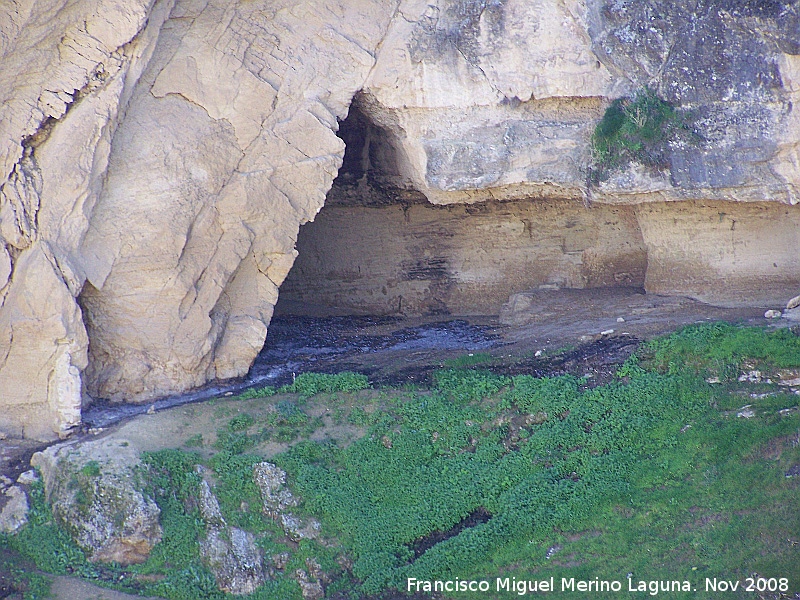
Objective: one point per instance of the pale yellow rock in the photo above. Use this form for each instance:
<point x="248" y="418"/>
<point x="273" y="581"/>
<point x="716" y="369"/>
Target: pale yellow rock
<point x="42" y="348"/>
<point x="157" y="159"/>
<point x="227" y="147"/>
<point x="728" y="254"/>
<point x="74" y="64"/>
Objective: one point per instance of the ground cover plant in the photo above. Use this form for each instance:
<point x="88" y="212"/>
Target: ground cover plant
<point x="639" y="128"/>
<point x="658" y="475"/>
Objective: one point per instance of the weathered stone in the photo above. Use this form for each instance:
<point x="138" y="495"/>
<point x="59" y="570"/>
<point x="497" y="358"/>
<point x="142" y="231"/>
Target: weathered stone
<point x="230" y="553"/>
<point x="14" y="511"/>
<point x="793" y="303"/>
<point x="234" y="558"/>
<point x="277" y="498"/>
<point x="729" y="254"/>
<point x="271" y="481"/>
<point x="29" y="477"/>
<point x="311" y="589"/>
<point x="244" y="102"/>
<point x="67" y="71"/>
<point x="93" y="490"/>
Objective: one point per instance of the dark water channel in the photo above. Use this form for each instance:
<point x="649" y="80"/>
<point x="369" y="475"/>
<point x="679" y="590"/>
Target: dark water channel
<point x="297" y="345"/>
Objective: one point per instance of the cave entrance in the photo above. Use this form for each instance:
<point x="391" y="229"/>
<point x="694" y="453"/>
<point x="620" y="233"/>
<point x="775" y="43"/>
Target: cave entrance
<point x="379" y="248"/>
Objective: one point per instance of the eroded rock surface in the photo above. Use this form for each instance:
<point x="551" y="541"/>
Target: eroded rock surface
<point x="158" y="157"/>
<point x="66" y="70"/>
<point x="229" y="552"/>
<point x="13" y="508"/>
<point x="277" y="499"/>
<point x="94" y="491"/>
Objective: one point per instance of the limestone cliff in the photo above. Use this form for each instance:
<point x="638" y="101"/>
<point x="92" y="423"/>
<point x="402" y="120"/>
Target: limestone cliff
<point x="158" y="157"/>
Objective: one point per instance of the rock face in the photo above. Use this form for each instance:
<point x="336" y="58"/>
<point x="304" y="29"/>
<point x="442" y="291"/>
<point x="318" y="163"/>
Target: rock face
<point x="158" y="157"/>
<point x="459" y="259"/>
<point x="227" y="147"/>
<point x="230" y="553"/>
<point x="92" y="489"/>
<point x="66" y="69"/>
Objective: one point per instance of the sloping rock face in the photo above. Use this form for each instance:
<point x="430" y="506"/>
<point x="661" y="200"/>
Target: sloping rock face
<point x="158" y="156"/>
<point x="66" y="69"/>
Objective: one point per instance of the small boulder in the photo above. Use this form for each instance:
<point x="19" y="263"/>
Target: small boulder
<point x="14" y="513"/>
<point x="231" y="554"/>
<point x="793" y="303"/>
<point x="29" y="477"/>
<point x="309" y="588"/>
<point x="92" y="489"/>
<point x="276" y="498"/>
<point x="234" y="558"/>
<point x="772" y="314"/>
<point x="271" y="481"/>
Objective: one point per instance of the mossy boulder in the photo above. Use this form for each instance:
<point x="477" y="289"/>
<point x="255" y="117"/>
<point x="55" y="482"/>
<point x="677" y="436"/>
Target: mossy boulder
<point x="95" y="492"/>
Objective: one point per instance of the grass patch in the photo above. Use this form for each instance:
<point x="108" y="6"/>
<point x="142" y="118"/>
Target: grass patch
<point x="310" y="384"/>
<point x="722" y="349"/>
<point x="638" y="129"/>
<point x="468" y="360"/>
<point x="487" y="476"/>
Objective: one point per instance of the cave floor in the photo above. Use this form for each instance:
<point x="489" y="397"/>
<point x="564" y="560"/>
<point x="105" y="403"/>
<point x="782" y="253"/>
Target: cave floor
<point x="573" y="331"/>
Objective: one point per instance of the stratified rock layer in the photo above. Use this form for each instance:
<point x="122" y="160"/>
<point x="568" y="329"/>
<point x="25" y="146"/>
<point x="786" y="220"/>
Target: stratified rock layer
<point x="424" y="259"/>
<point x="158" y="156"/>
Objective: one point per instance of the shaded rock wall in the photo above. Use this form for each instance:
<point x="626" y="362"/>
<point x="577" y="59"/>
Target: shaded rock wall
<point x="158" y="156"/>
<point x="421" y="259"/>
<point x="460" y="259"/>
<point x="724" y="253"/>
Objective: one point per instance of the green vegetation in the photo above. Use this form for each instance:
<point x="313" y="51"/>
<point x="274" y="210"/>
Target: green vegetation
<point x="46" y="544"/>
<point x="18" y="576"/>
<point x="469" y="360"/>
<point x="487" y="476"/>
<point x="196" y="441"/>
<point x="310" y="384"/>
<point x="637" y="129"/>
<point x="91" y="469"/>
<point x="723" y="350"/>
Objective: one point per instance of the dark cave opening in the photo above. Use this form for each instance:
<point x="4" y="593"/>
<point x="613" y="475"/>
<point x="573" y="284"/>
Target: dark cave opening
<point x="380" y="248"/>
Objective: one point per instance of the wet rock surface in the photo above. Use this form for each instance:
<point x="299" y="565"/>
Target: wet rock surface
<point x="331" y="344"/>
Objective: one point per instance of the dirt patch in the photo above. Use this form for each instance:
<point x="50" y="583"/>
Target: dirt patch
<point x="15" y="456"/>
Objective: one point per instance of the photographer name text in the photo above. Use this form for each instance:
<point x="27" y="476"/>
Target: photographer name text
<point x="653" y="587"/>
